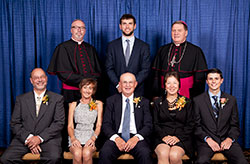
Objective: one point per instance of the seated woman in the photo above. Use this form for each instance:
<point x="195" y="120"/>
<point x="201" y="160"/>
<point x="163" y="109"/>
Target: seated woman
<point x="173" y="123"/>
<point x="83" y="115"/>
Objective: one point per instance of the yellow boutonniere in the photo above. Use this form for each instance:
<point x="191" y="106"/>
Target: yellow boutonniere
<point x="92" y="105"/>
<point x="45" y="99"/>
<point x="136" y="100"/>
<point x="223" y="101"/>
<point x="181" y="102"/>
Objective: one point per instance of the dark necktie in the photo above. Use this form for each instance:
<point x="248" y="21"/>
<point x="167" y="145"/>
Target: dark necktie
<point x="215" y="106"/>
<point x="127" y="52"/>
<point x="126" y="122"/>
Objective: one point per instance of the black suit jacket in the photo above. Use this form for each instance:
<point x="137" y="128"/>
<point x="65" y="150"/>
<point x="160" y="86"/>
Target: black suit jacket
<point x="113" y="113"/>
<point x="139" y="63"/>
<point x="47" y="125"/>
<point x="206" y="124"/>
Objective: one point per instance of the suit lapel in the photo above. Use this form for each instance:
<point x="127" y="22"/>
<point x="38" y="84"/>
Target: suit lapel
<point x="132" y="56"/>
<point x="43" y="107"/>
<point x="118" y="115"/>
<point x="122" y="55"/>
<point x="209" y="106"/>
<point x="221" y="110"/>
<point x="30" y="101"/>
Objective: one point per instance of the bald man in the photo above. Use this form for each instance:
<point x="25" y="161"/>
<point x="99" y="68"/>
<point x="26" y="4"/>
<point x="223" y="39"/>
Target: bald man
<point x="37" y="121"/>
<point x="74" y="60"/>
<point x="127" y="124"/>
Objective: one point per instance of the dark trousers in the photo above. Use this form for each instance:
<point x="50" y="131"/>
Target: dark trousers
<point x="234" y="154"/>
<point x="141" y="152"/>
<point x="51" y="153"/>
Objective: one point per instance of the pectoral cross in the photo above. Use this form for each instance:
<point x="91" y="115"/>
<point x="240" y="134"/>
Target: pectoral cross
<point x="172" y="61"/>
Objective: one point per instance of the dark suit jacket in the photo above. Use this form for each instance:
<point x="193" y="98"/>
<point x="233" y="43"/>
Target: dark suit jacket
<point x="47" y="125"/>
<point x="206" y="124"/>
<point x="139" y="63"/>
<point x="113" y="113"/>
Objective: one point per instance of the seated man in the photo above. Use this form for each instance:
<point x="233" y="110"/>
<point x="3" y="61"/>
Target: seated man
<point x="217" y="122"/>
<point x="127" y="124"/>
<point x="36" y="123"/>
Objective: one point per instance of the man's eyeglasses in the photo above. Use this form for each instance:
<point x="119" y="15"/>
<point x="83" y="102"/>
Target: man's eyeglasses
<point x="79" y="27"/>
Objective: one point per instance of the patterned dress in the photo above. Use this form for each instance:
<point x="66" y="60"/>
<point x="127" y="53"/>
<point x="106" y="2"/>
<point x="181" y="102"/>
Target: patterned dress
<point x="84" y="123"/>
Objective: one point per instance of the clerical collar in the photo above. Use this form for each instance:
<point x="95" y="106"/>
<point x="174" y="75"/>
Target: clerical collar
<point x="77" y="41"/>
<point x="180" y="44"/>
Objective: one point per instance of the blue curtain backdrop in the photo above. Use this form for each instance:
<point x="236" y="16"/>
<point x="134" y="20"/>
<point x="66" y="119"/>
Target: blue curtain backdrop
<point x="31" y="29"/>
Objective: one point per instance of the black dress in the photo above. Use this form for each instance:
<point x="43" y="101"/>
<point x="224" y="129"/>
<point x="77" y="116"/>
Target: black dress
<point x="177" y="123"/>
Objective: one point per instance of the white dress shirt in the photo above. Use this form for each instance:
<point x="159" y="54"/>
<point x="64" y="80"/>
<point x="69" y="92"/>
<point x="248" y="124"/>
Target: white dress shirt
<point x="131" y="43"/>
<point x="132" y="118"/>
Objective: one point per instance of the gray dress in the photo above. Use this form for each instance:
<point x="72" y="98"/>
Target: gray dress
<point x="84" y="123"/>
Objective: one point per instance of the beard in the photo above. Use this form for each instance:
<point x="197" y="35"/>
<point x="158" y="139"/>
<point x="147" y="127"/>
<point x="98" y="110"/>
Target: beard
<point x="129" y="34"/>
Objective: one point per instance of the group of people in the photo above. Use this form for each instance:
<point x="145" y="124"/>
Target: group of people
<point x="183" y="118"/>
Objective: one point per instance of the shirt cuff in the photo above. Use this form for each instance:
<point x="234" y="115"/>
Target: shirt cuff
<point x="41" y="139"/>
<point x="113" y="137"/>
<point x="233" y="140"/>
<point x="30" y="135"/>
<point x="205" y="139"/>
<point x="140" y="137"/>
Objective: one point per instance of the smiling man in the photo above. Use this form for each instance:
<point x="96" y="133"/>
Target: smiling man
<point x="183" y="57"/>
<point x="127" y="54"/>
<point x="37" y="121"/>
<point x="72" y="61"/>
<point x="217" y="123"/>
<point x="127" y="124"/>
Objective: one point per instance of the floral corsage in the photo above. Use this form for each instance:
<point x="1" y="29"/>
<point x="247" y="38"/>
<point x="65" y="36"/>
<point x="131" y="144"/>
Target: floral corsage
<point x="223" y="101"/>
<point x="181" y="102"/>
<point x="92" y="105"/>
<point x="136" y="100"/>
<point x="45" y="99"/>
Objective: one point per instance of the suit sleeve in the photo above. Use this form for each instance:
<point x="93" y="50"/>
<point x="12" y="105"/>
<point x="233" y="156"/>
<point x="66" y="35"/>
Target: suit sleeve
<point x="157" y="128"/>
<point x="189" y="123"/>
<point x="147" y="125"/>
<point x="156" y="73"/>
<point x="145" y="64"/>
<point x="234" y="130"/>
<point x="16" y="122"/>
<point x="199" y="132"/>
<point x="108" y="124"/>
<point x="110" y="65"/>
<point x="58" y="122"/>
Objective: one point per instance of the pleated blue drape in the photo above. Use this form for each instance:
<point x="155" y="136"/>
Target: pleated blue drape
<point x="31" y="29"/>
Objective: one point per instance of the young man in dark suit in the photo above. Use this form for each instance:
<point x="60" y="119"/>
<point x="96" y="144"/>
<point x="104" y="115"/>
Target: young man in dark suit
<point x="37" y="121"/>
<point x="127" y="124"/>
<point x="127" y="54"/>
<point x="217" y="122"/>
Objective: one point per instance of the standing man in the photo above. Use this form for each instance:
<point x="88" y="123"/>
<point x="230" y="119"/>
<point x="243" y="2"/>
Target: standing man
<point x="127" y="124"/>
<point x="36" y="123"/>
<point x="183" y="57"/>
<point x="127" y="54"/>
<point x="217" y="122"/>
<point x="73" y="61"/>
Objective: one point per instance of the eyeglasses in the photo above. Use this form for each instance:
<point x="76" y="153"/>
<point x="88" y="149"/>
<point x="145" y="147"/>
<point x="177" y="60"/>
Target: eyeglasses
<point x="79" y="27"/>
